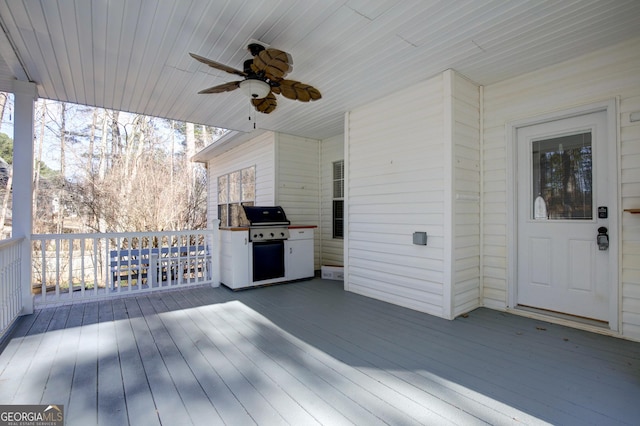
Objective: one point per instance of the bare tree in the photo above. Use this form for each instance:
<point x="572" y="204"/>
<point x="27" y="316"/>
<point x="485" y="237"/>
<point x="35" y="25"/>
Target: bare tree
<point x="116" y="139"/>
<point x="7" y="190"/>
<point x="61" y="194"/>
<point x="5" y="201"/>
<point x="118" y="171"/>
<point x="4" y="97"/>
<point x="38" y="156"/>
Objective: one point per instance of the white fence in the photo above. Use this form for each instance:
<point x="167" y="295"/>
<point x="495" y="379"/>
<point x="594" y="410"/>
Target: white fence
<point x="71" y="267"/>
<point x="10" y="288"/>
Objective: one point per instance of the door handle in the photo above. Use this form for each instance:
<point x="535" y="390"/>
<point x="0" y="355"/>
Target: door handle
<point x="603" y="238"/>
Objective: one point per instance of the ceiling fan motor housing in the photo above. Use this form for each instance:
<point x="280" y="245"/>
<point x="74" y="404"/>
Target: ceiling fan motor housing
<point x="255" y="48"/>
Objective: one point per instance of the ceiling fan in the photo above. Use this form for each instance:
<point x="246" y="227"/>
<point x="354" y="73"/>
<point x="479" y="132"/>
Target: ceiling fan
<point x="263" y="77"/>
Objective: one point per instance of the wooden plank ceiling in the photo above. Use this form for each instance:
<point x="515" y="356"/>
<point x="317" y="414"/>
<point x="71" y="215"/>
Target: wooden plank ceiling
<point x="134" y="55"/>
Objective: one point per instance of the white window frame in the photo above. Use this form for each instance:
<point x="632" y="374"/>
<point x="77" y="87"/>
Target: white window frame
<point x="337" y="232"/>
<point x="230" y="220"/>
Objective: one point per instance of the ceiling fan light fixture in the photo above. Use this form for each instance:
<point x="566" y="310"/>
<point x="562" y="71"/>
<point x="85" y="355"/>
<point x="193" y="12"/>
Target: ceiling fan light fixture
<point x="255" y="89"/>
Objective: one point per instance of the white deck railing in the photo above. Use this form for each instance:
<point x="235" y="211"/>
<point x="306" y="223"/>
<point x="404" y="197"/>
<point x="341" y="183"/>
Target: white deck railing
<point x="10" y="282"/>
<point x="74" y="267"/>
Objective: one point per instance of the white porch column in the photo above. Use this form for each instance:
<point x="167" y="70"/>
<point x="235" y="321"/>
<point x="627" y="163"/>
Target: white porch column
<point x="25" y="94"/>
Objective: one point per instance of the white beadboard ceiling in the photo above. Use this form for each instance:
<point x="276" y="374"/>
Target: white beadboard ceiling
<point x="133" y="55"/>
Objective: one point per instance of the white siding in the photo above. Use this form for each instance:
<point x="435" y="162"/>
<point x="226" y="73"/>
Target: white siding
<point x="298" y="182"/>
<point x="608" y="73"/>
<point x="332" y="251"/>
<point x="466" y="195"/>
<point x="259" y="152"/>
<point x="396" y="186"/>
<point x="630" y="181"/>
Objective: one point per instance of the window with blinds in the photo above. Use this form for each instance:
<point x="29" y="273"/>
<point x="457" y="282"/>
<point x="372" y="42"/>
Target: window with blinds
<point x="338" y="199"/>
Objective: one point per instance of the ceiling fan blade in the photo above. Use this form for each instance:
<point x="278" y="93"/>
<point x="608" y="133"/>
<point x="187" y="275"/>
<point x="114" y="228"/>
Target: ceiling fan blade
<point x="217" y="65"/>
<point x="266" y="104"/>
<point x="226" y="87"/>
<point x="297" y="91"/>
<point x="273" y="62"/>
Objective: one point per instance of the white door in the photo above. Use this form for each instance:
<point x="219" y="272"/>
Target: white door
<point x="563" y="200"/>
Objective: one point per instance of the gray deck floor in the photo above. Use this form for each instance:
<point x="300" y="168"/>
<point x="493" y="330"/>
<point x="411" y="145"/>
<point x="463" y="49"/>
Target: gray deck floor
<point x="310" y="353"/>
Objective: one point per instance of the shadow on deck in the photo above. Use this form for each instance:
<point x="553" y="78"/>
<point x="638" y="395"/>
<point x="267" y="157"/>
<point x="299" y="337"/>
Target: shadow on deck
<point x="308" y="353"/>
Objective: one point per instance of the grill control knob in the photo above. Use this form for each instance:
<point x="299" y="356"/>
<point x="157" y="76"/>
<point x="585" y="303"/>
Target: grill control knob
<point x="261" y="235"/>
<point x="272" y="235"/>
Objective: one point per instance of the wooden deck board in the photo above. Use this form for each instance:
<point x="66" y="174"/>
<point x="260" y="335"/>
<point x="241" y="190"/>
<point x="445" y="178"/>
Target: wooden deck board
<point x="309" y="353"/>
<point x="245" y="362"/>
<point x="23" y="373"/>
<point x="111" y="397"/>
<point x="139" y="399"/>
<point x="187" y="337"/>
<point x="313" y="386"/>
<point x="304" y="370"/>
<point x="452" y="356"/>
<point x="168" y="404"/>
<point x="195" y="400"/>
<point x="248" y="403"/>
<point x="82" y="401"/>
<point x="63" y="356"/>
<point x="388" y="400"/>
<point x="408" y="385"/>
<point x="275" y="365"/>
<point x="389" y="363"/>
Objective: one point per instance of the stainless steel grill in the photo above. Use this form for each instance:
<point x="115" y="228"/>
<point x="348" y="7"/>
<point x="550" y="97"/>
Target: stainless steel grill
<point x="267" y="223"/>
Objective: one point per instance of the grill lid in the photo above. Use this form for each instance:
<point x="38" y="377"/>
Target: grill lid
<point x="265" y="215"/>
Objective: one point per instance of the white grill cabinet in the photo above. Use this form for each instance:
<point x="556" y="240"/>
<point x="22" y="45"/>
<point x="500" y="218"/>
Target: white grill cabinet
<point x="298" y="251"/>
<point x="268" y="251"/>
<point x="234" y="257"/>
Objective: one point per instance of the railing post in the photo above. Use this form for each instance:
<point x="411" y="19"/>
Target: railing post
<point x="154" y="266"/>
<point x="25" y="94"/>
<point x="215" y="254"/>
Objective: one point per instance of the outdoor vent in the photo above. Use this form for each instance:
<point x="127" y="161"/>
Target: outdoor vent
<point x="420" y="238"/>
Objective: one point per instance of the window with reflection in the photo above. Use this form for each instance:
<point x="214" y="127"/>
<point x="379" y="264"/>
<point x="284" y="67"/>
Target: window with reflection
<point x="562" y="178"/>
<point x="236" y="189"/>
